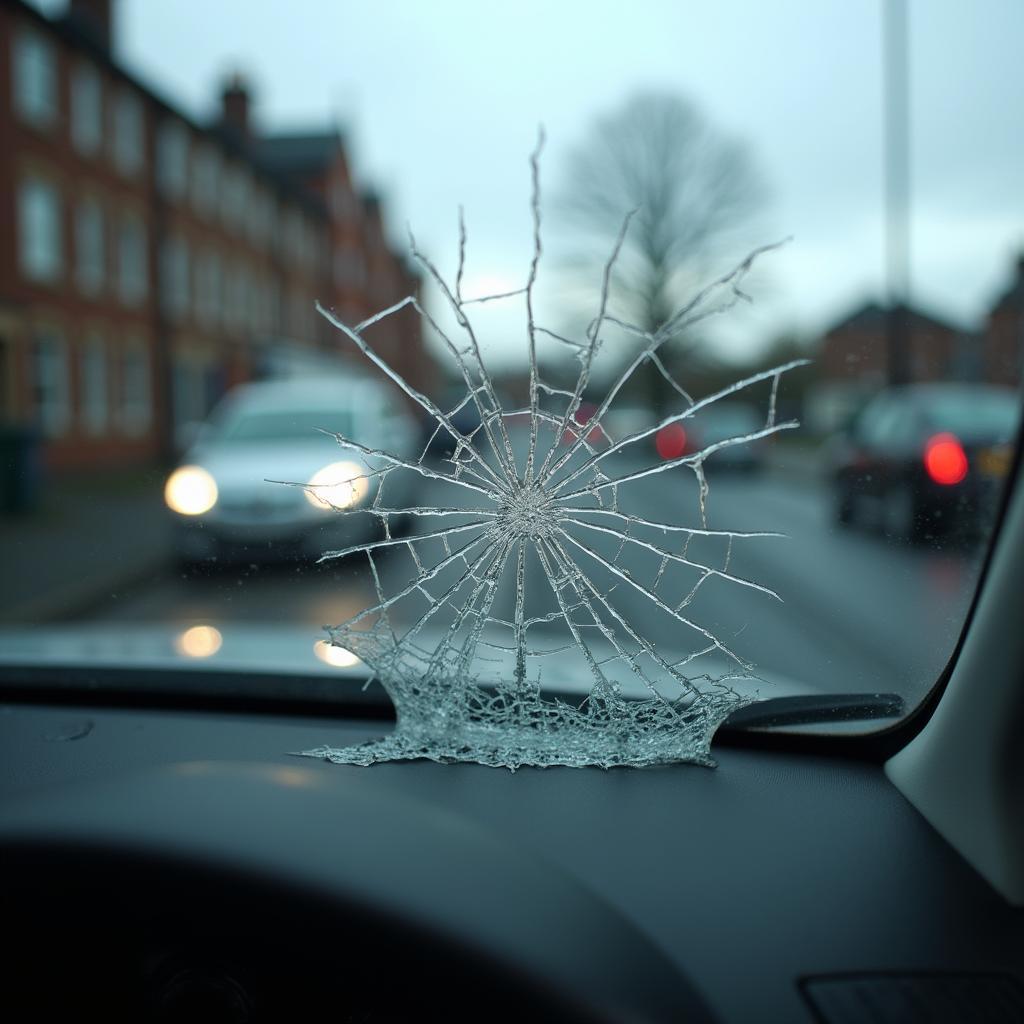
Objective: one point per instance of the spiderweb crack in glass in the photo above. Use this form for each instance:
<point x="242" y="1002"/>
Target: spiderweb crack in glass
<point x="535" y="556"/>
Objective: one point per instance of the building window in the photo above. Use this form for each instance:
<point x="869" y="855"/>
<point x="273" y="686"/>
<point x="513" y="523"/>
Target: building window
<point x="205" y="179"/>
<point x="132" y="264"/>
<point x="90" y="256"/>
<point x="86" y="109"/>
<point x="34" y="67"/>
<point x="270" y="219"/>
<point x="172" y="159"/>
<point x="256" y="216"/>
<point x="174" y="277"/>
<point x="188" y="396"/>
<point x="254" y="303"/>
<point x="207" y="291"/>
<point x="136" y="407"/>
<point x="39" y="230"/>
<point x="261" y="305"/>
<point x="51" y="404"/>
<point x="129" y="140"/>
<point x="234" y="198"/>
<point x="234" y="297"/>
<point x="95" y="394"/>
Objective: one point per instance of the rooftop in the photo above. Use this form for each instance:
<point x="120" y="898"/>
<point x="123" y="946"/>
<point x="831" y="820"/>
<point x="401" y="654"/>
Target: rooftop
<point x="298" y="153"/>
<point x="872" y="316"/>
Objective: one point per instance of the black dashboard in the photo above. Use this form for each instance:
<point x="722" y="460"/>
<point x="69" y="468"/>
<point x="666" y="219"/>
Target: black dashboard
<point x="185" y="866"/>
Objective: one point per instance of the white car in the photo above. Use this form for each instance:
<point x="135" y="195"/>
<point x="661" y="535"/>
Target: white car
<point x="231" y="497"/>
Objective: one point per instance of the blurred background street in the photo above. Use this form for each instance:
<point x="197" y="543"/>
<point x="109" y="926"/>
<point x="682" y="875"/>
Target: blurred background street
<point x="832" y="631"/>
<point x="179" y="208"/>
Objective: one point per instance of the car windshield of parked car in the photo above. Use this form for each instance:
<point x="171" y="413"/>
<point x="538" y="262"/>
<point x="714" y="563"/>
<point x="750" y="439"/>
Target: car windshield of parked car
<point x="284" y="425"/>
<point x="650" y="348"/>
<point x="973" y="415"/>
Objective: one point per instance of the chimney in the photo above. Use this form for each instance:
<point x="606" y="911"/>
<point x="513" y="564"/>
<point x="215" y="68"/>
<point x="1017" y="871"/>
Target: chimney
<point x="93" y="18"/>
<point x="234" y="99"/>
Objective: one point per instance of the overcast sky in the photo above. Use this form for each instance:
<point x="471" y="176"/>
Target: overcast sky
<point x="441" y="100"/>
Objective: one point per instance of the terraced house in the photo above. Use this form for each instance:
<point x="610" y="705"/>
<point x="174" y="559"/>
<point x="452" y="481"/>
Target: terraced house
<point x="148" y="262"/>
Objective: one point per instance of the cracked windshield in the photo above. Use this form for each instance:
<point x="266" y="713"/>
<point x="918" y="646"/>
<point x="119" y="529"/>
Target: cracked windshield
<point x="657" y="362"/>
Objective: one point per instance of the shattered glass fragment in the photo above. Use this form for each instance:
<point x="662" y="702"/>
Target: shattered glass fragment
<point x="526" y="556"/>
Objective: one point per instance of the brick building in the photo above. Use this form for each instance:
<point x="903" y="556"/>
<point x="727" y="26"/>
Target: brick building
<point x="855" y="348"/>
<point x="852" y="360"/>
<point x="149" y="262"/>
<point x="1004" y="334"/>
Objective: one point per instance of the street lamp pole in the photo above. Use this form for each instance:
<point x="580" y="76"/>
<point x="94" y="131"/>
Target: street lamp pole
<point x="897" y="188"/>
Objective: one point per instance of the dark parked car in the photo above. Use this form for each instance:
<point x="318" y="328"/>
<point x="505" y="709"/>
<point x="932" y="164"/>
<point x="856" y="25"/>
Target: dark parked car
<point x="925" y="460"/>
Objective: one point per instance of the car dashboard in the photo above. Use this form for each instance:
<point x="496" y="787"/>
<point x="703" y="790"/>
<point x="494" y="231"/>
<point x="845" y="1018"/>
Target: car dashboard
<point x="175" y="865"/>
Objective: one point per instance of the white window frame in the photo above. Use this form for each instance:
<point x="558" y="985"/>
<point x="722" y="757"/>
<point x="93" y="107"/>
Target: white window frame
<point x="86" y="109"/>
<point x="34" y="80"/>
<point x="40" y="230"/>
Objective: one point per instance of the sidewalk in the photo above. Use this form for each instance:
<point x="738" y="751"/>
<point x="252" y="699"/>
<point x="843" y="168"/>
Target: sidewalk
<point x="87" y="537"/>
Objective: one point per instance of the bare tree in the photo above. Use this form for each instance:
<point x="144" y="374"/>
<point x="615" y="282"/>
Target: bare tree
<point x="693" y="189"/>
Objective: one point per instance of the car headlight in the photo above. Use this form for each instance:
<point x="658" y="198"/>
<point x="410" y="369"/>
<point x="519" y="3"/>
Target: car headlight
<point x="190" y="491"/>
<point x="339" y="485"/>
<point x="199" y="642"/>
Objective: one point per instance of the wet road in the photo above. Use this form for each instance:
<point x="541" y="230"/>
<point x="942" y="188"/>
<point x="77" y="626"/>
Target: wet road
<point x="858" y="612"/>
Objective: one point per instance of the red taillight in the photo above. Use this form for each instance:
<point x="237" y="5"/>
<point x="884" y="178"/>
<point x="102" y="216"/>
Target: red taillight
<point x="671" y="441"/>
<point x="945" y="459"/>
<point x="581" y="417"/>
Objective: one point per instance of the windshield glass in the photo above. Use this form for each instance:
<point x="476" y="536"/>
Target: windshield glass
<point x="656" y="202"/>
